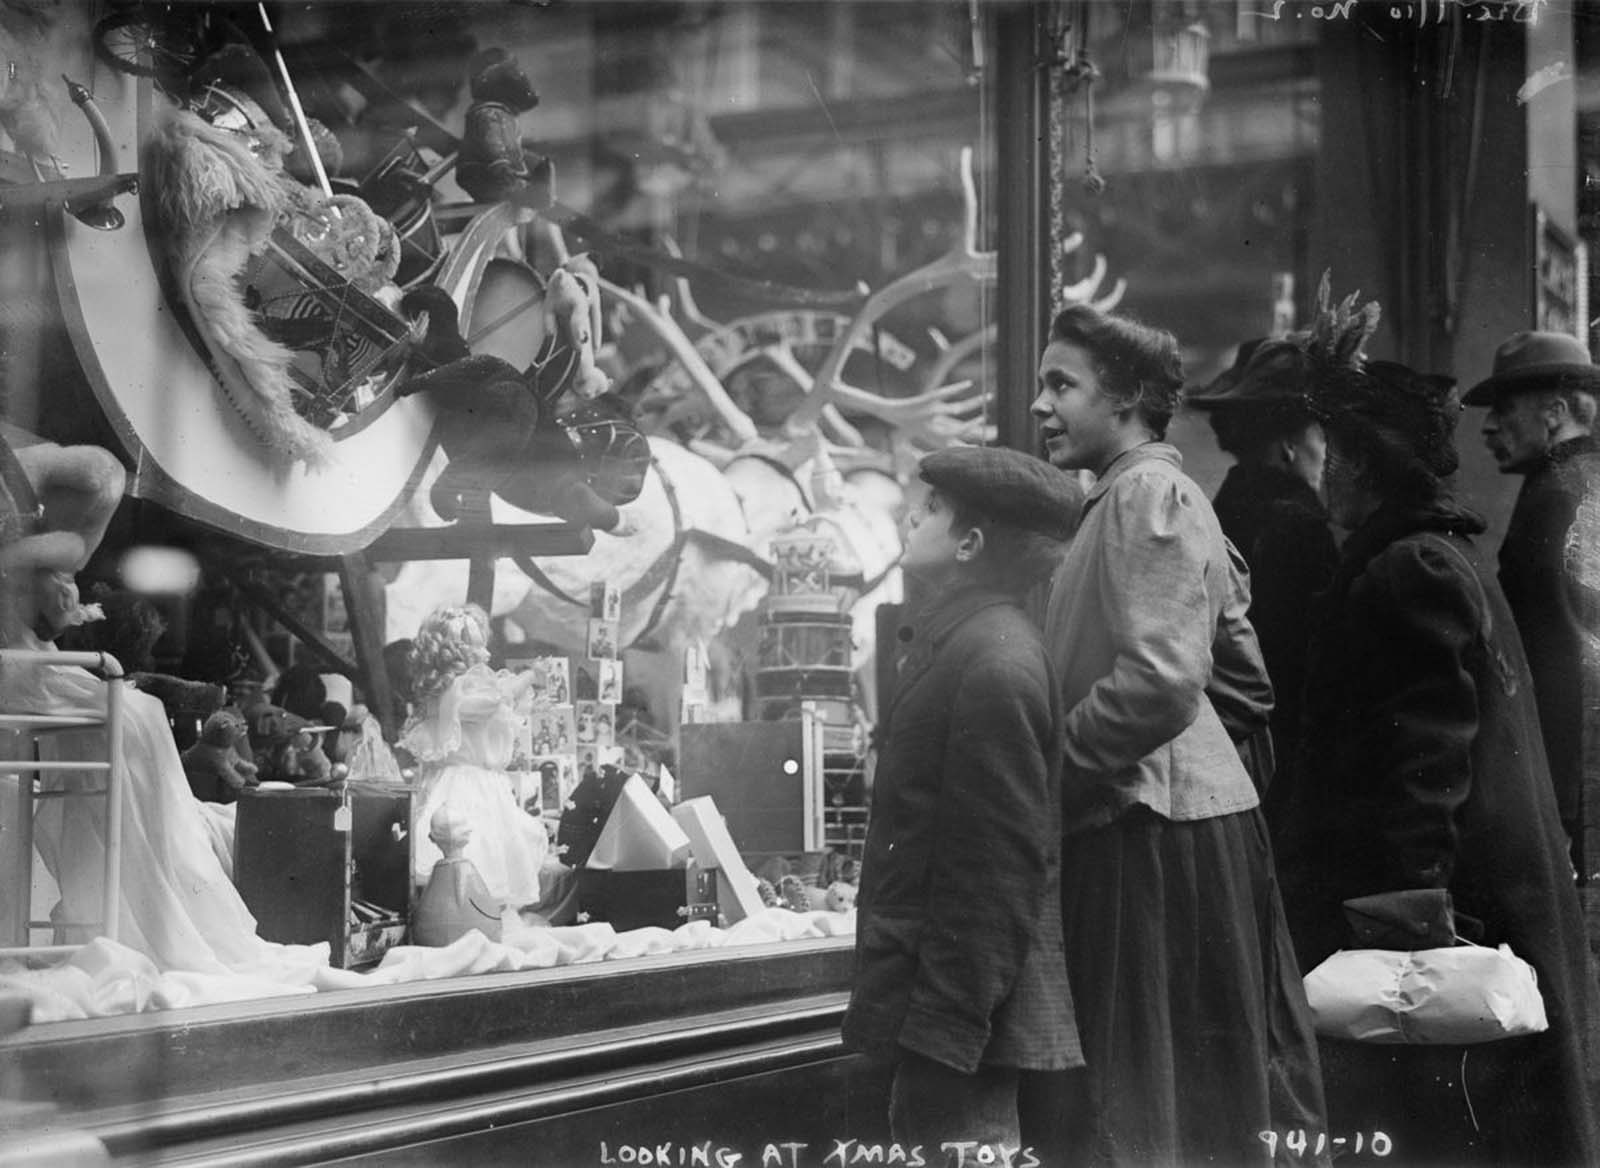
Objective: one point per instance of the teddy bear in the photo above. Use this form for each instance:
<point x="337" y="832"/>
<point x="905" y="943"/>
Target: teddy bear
<point x="303" y="762"/>
<point x="216" y="771"/>
<point x="287" y="747"/>
<point x="491" y="165"/>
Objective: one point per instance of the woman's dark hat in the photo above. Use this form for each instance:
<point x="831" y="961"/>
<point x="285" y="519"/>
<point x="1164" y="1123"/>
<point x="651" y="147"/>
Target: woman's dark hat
<point x="1266" y="373"/>
<point x="1006" y="486"/>
<point x="1529" y="361"/>
<point x="1405" y="410"/>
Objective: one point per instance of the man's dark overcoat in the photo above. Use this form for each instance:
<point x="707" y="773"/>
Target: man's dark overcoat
<point x="1422" y="767"/>
<point x="958" y="934"/>
<point x="1551" y="608"/>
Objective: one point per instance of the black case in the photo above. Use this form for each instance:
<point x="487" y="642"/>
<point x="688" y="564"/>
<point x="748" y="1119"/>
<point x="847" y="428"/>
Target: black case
<point x="306" y="881"/>
<point x="591" y="803"/>
<point x="663" y="897"/>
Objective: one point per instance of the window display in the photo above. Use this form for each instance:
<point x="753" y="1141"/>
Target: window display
<point x="615" y="329"/>
<point x="592" y="318"/>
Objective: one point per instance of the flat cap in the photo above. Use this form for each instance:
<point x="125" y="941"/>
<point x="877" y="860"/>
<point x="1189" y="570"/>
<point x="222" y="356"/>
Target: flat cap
<point x="1528" y="361"/>
<point x="1008" y="487"/>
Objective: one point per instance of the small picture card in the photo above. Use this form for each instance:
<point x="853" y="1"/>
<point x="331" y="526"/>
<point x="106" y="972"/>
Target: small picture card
<point x="555" y="681"/>
<point x="592" y="758"/>
<point x="557" y="776"/>
<point x="522" y="745"/>
<point x="609" y="688"/>
<point x="696" y="667"/>
<point x="587" y="715"/>
<point x="552" y="685"/>
<point x="551" y="730"/>
<point x="602" y="641"/>
<point x="605" y="724"/>
<point x="605" y="602"/>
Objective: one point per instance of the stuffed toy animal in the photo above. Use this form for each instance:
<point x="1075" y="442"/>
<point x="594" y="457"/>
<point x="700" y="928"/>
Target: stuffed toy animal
<point x="216" y="771"/>
<point x="768" y="894"/>
<point x="572" y="317"/>
<point x="841" y="897"/>
<point x="221" y="190"/>
<point x="491" y="165"/>
<point x="548" y="439"/>
<point x="307" y="763"/>
<point x="287" y="747"/>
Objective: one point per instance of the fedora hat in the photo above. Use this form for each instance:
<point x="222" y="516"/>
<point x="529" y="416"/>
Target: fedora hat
<point x="1528" y="361"/>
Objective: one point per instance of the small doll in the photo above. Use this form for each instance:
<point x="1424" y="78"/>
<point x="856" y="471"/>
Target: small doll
<point x="216" y="771"/>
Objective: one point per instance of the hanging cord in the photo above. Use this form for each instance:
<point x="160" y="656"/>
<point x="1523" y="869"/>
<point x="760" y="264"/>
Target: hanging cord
<point x="1093" y="181"/>
<point x="978" y="78"/>
<point x="1071" y="68"/>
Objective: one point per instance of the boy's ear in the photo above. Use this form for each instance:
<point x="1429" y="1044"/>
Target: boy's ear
<point x="970" y="546"/>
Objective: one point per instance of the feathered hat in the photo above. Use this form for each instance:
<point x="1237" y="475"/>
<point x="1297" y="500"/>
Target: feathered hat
<point x="1400" y="410"/>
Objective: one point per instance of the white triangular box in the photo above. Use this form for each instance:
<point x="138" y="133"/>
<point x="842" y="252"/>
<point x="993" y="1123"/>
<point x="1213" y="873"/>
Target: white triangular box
<point x="639" y="834"/>
<point x="713" y="847"/>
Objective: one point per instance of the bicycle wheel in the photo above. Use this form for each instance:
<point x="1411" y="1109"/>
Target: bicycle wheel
<point x="147" y="42"/>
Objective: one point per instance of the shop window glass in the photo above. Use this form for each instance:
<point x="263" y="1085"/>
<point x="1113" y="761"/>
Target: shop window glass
<point x="261" y="334"/>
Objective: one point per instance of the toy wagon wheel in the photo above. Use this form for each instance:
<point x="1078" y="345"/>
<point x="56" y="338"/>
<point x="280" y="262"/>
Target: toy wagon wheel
<point x="145" y="42"/>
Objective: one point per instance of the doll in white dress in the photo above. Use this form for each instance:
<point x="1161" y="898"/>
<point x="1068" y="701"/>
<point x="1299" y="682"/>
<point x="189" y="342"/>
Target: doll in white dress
<point x="462" y="734"/>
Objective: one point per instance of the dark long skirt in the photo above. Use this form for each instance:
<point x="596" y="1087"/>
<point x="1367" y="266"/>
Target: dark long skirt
<point x="1189" y="1001"/>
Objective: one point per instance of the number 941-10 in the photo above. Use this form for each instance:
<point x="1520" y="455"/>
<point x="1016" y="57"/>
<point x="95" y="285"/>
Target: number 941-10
<point x="1299" y="1142"/>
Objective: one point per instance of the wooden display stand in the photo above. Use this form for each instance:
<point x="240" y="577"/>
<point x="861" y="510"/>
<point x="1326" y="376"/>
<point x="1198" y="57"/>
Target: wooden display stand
<point x="317" y="865"/>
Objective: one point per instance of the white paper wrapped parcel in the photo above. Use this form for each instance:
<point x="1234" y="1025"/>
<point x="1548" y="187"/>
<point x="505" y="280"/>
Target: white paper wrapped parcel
<point x="1465" y="994"/>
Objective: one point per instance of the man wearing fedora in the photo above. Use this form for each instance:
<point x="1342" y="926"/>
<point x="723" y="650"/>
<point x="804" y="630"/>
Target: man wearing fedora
<point x="1541" y="398"/>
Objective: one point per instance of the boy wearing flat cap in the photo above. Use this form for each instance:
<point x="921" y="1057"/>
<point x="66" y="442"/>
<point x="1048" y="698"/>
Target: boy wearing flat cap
<point x="958" y="940"/>
<point x="1541" y="396"/>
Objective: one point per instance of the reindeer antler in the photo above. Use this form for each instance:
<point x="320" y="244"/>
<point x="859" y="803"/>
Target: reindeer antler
<point x="951" y="355"/>
<point x="964" y="261"/>
<point x="694" y="365"/>
<point x="1083" y="291"/>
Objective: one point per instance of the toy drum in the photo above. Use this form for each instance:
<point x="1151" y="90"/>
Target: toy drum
<point x="805" y="655"/>
<point x="812" y="642"/>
